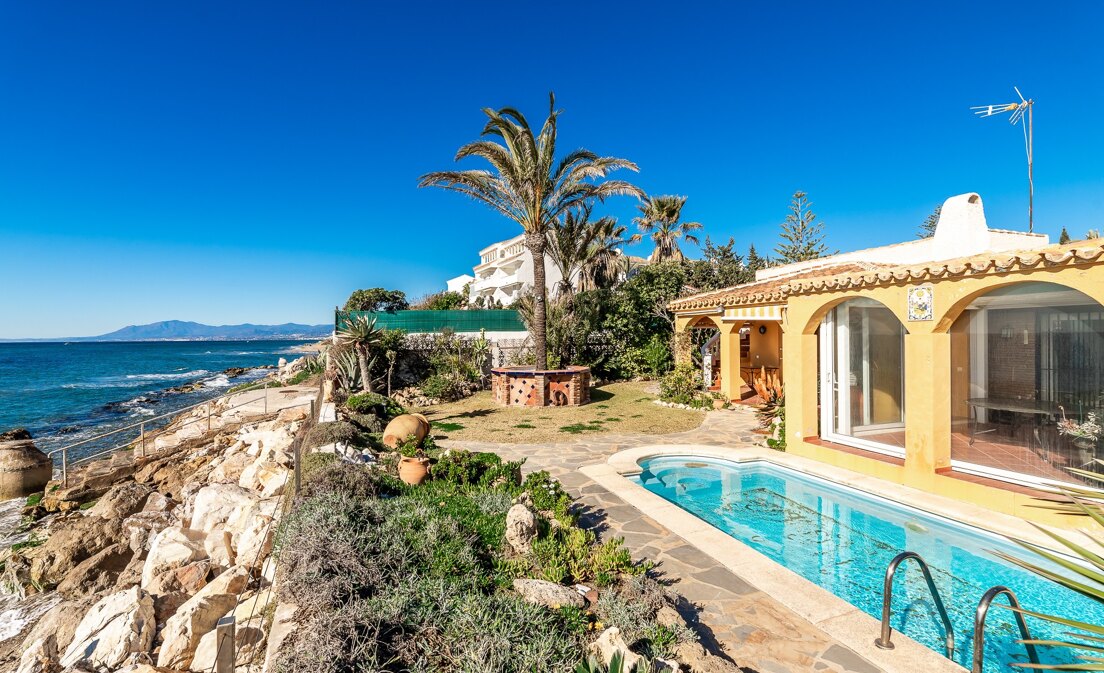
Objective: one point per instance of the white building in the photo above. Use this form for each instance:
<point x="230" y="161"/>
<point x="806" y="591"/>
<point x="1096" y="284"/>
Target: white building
<point x="504" y="272"/>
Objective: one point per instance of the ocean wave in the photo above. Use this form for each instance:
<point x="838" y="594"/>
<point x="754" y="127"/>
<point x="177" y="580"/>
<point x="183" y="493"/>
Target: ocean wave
<point x="169" y="377"/>
<point x="220" y="381"/>
<point x="89" y="385"/>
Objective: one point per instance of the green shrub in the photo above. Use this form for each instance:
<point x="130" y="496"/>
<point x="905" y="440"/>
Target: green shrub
<point x="380" y="406"/>
<point x="329" y="433"/>
<point x="463" y="468"/>
<point x="633" y="610"/>
<point x="548" y="494"/>
<point x="779" y="443"/>
<point x="445" y="387"/>
<point x="366" y="422"/>
<point x="682" y="386"/>
<point x="315" y="462"/>
<point x="34" y="498"/>
<point x="566" y="554"/>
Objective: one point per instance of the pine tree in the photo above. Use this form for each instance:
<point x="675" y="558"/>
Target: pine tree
<point x="802" y="235"/>
<point x="754" y="261"/>
<point x="927" y="227"/>
<point x="1064" y="237"/>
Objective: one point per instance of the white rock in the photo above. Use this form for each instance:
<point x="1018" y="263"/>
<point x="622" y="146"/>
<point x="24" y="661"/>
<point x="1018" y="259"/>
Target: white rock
<point x="549" y="594"/>
<point x="229" y="470"/>
<point x="264" y="477"/>
<point x="40" y="657"/>
<point x="140" y="528"/>
<point x="117" y="626"/>
<point x="249" y="634"/>
<point x="172" y="548"/>
<point x="283" y="625"/>
<point x="521" y="528"/>
<point x="611" y="642"/>
<point x="254" y="545"/>
<point x="197" y="616"/>
<point x="158" y="503"/>
<point x="215" y="546"/>
<point x="218" y="505"/>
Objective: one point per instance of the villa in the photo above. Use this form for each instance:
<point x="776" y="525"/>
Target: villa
<point x="505" y="269"/>
<point x="946" y="364"/>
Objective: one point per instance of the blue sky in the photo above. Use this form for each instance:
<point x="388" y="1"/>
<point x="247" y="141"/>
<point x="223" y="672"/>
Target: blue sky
<point x="234" y="162"/>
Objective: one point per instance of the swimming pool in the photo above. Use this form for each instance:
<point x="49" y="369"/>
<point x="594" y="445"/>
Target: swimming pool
<point x="843" y="539"/>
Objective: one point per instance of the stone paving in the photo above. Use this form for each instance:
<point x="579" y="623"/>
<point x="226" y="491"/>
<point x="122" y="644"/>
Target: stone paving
<point x="732" y="617"/>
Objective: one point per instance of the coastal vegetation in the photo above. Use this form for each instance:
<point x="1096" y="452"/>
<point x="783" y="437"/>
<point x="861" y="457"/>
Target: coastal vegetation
<point x="474" y="570"/>
<point x="661" y="219"/>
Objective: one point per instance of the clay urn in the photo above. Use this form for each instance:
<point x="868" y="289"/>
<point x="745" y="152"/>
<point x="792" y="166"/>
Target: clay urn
<point x="23" y="468"/>
<point x="402" y="427"/>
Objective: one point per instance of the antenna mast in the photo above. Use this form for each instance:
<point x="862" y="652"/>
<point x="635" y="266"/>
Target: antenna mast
<point x="1018" y="110"/>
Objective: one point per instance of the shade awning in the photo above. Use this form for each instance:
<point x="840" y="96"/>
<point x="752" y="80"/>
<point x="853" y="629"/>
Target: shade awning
<point x="754" y="313"/>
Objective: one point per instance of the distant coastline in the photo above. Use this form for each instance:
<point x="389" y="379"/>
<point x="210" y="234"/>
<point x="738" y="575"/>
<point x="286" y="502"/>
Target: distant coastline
<point x="182" y="330"/>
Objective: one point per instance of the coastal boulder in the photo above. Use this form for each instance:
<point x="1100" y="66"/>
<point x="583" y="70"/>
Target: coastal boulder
<point x="218" y="505"/>
<point x="172" y="588"/>
<point x="97" y="572"/>
<point x="264" y="477"/>
<point x="140" y="527"/>
<point x="230" y="469"/>
<point x="72" y="540"/>
<point x="171" y="548"/>
<point x="23" y="468"/>
<point x="249" y="635"/>
<point x="116" y="627"/>
<point x="610" y="643"/>
<point x="40" y="657"/>
<point x="121" y="501"/>
<point x="197" y="616"/>
<point x="254" y="544"/>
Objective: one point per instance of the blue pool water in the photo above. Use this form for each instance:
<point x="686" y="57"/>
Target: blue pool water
<point x="842" y="540"/>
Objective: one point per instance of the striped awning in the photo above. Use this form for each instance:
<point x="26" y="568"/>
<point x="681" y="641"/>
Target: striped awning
<point x="754" y="313"/>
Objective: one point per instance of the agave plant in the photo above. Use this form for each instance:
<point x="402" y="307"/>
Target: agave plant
<point x="362" y="334"/>
<point x="348" y="371"/>
<point x="616" y="665"/>
<point x="1085" y="577"/>
<point x="768" y="386"/>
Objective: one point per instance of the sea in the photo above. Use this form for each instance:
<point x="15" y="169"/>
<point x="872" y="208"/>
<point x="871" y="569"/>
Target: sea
<point x="65" y="393"/>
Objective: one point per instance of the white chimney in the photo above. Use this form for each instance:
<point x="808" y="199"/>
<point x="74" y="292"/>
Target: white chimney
<point x="962" y="224"/>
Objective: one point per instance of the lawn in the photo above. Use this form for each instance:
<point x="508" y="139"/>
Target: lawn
<point x="613" y="408"/>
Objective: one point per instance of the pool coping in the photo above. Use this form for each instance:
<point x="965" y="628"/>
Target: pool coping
<point x="837" y="618"/>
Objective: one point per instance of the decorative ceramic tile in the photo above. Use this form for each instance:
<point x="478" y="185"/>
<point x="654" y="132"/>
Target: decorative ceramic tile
<point x="920" y="303"/>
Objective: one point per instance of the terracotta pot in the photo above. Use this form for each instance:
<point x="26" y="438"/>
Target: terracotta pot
<point x="403" y="426"/>
<point x="718" y="404"/>
<point x="413" y="471"/>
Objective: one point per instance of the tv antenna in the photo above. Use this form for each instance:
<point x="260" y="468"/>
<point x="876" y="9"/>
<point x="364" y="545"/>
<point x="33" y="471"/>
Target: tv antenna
<point x="1018" y="110"/>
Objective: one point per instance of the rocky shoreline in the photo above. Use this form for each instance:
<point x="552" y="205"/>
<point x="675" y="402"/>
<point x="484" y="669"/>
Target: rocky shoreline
<point x="132" y="564"/>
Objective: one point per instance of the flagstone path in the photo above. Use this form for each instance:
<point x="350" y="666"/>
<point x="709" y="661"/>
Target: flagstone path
<point x="734" y="617"/>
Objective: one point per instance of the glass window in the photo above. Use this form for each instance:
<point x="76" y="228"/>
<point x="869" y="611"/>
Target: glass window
<point x="862" y="376"/>
<point x="1027" y="366"/>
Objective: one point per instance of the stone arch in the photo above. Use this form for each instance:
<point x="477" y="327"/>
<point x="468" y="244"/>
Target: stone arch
<point x="817" y="316"/>
<point x="1092" y="288"/>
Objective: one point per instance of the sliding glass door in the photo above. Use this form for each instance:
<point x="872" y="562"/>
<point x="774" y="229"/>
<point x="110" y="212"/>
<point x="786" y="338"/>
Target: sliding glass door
<point x="862" y="383"/>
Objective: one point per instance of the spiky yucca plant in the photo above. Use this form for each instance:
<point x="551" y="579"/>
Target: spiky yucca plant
<point x="362" y="334"/>
<point x="1085" y="577"/>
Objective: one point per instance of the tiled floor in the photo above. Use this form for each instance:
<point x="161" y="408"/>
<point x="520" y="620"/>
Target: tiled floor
<point x="994" y="447"/>
<point x="750" y="627"/>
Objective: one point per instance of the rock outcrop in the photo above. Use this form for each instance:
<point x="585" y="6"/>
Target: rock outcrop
<point x="548" y="594"/>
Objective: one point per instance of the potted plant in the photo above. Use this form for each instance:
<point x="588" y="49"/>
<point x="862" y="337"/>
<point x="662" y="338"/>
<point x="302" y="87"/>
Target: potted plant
<point x="1083" y="435"/>
<point x="413" y="462"/>
<point x="719" y="401"/>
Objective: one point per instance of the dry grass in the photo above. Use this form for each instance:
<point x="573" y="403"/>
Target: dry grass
<point x="614" y="408"/>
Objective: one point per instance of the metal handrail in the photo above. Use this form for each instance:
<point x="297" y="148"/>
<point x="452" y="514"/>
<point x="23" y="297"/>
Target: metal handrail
<point x="979" y="626"/>
<point x="883" y="641"/>
<point x="64" y="450"/>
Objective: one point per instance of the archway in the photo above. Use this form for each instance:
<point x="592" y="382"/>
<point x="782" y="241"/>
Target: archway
<point x="862" y="376"/>
<point x="1027" y="382"/>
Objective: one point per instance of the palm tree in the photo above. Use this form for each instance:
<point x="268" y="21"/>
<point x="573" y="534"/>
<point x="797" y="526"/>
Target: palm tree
<point x="362" y="334"/>
<point x="659" y="216"/>
<point x="528" y="185"/>
<point x="586" y="251"/>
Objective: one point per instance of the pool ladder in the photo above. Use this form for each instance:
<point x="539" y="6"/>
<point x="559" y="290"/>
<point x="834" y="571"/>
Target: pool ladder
<point x="883" y="641"/>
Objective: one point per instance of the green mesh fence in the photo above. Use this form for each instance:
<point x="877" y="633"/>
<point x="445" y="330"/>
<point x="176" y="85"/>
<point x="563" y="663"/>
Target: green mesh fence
<point x="438" y="321"/>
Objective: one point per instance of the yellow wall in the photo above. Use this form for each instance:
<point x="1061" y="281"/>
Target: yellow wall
<point x="929" y="385"/>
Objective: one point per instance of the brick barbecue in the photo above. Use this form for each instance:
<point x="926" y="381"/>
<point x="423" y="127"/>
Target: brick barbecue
<point x="528" y="387"/>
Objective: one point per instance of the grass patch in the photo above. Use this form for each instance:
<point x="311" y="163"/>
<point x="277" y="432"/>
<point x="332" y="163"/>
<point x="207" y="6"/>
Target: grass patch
<point x="580" y="428"/>
<point x="446" y="426"/>
<point x="484" y="420"/>
<point x="87" y="505"/>
<point x="33" y="499"/>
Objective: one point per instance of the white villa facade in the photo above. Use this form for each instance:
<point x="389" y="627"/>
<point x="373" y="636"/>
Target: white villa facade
<point x="505" y="269"/>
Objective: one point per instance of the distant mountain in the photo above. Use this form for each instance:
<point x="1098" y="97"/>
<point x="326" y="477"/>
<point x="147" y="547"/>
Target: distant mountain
<point x="180" y="329"/>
